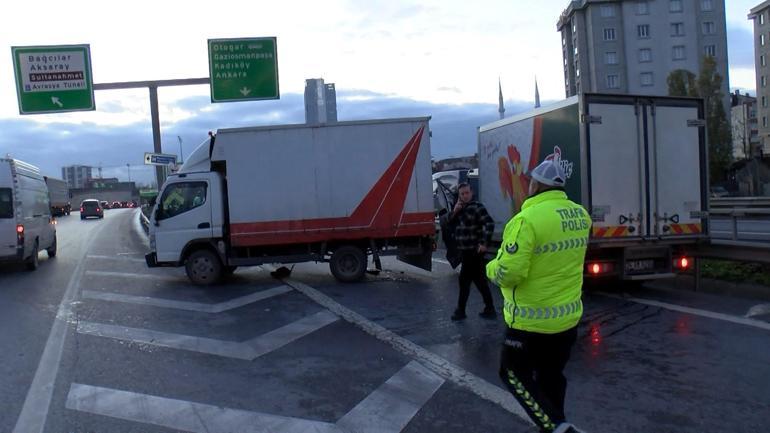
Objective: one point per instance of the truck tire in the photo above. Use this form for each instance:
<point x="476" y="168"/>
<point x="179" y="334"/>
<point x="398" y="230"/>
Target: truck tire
<point x="348" y="264"/>
<point x="32" y="261"/>
<point x="203" y="267"/>
<point x="52" y="249"/>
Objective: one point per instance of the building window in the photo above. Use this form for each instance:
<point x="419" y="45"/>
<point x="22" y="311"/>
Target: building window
<point x="576" y="50"/>
<point x="642" y="7"/>
<point x="762" y="18"/>
<point x="677" y="29"/>
<point x="764" y="101"/>
<point x="709" y="28"/>
<point x="710" y="50"/>
<point x="679" y="52"/>
<point x="707" y="5"/>
<point x="577" y="72"/>
<point x="574" y="26"/>
<point x="645" y="78"/>
<point x="609" y="34"/>
<point x="611" y="58"/>
<point x="607" y="11"/>
<point x="645" y="55"/>
<point x="763" y="81"/>
<point x="764" y="122"/>
<point x="613" y="82"/>
<point x="643" y="31"/>
<point x="563" y="40"/>
<point x="762" y="60"/>
<point x="762" y="39"/>
<point x="675" y="6"/>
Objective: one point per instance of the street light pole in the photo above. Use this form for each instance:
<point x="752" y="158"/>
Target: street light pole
<point x="128" y="166"/>
<point x="181" y="155"/>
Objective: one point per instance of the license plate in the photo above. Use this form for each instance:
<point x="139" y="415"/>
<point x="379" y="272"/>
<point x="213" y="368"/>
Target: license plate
<point x="640" y="265"/>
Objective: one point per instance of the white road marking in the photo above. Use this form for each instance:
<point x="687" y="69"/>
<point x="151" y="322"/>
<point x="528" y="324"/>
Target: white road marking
<point x="34" y="413"/>
<point x="694" y="311"/>
<point x="247" y="350"/>
<point x="394" y="403"/>
<point x="185" y="305"/>
<point x="442" y="261"/>
<point x="119" y="258"/>
<point x="387" y="410"/>
<point x="758" y="310"/>
<point x="435" y="363"/>
<point x="134" y="275"/>
<point x="184" y="415"/>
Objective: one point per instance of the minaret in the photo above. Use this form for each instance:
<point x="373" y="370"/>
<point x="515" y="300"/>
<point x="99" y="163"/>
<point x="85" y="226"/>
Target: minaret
<point x="501" y="107"/>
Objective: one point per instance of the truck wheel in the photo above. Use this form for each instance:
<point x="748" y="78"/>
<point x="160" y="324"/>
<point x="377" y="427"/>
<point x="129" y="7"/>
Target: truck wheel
<point x="32" y="261"/>
<point x="348" y="264"/>
<point x="52" y="249"/>
<point x="203" y="267"/>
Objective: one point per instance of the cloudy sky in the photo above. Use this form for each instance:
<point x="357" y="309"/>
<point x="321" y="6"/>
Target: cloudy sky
<point x="388" y="58"/>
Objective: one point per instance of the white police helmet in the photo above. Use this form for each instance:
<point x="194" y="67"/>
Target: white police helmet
<point x="550" y="173"/>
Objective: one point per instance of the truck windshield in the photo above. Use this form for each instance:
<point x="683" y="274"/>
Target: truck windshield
<point x="6" y="203"/>
<point x="182" y="197"/>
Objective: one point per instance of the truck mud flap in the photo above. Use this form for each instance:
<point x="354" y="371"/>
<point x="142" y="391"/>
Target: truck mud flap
<point x="419" y="256"/>
<point x="150" y="260"/>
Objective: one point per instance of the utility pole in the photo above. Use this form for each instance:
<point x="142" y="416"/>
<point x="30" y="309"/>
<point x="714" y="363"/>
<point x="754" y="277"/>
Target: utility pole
<point x="181" y="155"/>
<point x="128" y="166"/>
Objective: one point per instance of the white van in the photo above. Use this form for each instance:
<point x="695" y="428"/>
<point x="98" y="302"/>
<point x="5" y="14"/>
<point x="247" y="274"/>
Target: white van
<point x="26" y="225"/>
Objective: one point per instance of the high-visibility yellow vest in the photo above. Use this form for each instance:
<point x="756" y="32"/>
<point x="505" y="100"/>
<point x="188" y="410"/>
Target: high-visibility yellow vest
<point x="539" y="267"/>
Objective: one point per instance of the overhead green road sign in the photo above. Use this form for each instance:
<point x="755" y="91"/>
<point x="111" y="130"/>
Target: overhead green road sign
<point x="243" y="69"/>
<point x="53" y="79"/>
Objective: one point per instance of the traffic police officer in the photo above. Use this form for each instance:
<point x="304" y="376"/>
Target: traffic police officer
<point x="539" y="269"/>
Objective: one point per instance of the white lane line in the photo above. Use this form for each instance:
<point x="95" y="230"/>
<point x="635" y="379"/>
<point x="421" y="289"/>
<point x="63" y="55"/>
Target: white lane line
<point x="394" y="403"/>
<point x="229" y="349"/>
<point x="758" y="310"/>
<point x="694" y="311"/>
<point x="442" y="261"/>
<point x="185" y="305"/>
<point x="34" y="413"/>
<point x="133" y="275"/>
<point x="122" y="258"/>
<point x="184" y="415"/>
<point x="435" y="363"/>
<point x="248" y="350"/>
<point x="386" y="410"/>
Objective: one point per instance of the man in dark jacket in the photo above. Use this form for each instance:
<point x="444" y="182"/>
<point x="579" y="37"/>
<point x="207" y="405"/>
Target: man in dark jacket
<point x="473" y="234"/>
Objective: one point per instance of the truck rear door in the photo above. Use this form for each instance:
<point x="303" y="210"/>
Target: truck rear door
<point x="677" y="168"/>
<point x="616" y="168"/>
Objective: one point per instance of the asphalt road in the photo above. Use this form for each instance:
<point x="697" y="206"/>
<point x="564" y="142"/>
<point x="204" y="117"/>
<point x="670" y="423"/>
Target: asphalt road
<point x="142" y="350"/>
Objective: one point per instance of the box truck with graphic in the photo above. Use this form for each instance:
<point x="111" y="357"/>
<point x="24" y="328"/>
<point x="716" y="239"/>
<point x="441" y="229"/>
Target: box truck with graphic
<point x="59" y="195"/>
<point x="638" y="164"/>
<point x="332" y="193"/>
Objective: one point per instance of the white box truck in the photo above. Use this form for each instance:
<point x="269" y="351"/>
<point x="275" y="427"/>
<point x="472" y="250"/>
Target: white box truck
<point x="26" y="225"/>
<point x="638" y="164"/>
<point x="286" y="194"/>
<point x="59" y="195"/>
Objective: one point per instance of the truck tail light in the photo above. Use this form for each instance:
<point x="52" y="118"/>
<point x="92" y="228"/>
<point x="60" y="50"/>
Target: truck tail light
<point x="682" y="263"/>
<point x="20" y="229"/>
<point x="19" y="234"/>
<point x="599" y="268"/>
<point x="82" y="210"/>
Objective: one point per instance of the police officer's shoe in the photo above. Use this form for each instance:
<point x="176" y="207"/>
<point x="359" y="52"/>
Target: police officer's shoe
<point x="458" y="315"/>
<point x="488" y="313"/>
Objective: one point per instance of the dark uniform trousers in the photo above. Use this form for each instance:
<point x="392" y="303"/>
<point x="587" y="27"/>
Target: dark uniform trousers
<point x="531" y="366"/>
<point x="473" y="271"/>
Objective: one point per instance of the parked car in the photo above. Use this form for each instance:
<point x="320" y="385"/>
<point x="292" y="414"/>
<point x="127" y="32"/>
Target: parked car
<point x="105" y="204"/>
<point x="116" y="205"/>
<point x="719" y="191"/>
<point x="26" y="224"/>
<point x="91" y="208"/>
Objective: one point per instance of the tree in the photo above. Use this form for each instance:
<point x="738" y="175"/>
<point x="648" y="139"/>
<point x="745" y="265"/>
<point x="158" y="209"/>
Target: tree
<point x="681" y="82"/>
<point x="708" y="85"/>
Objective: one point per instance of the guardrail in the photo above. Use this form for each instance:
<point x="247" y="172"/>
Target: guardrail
<point x="739" y="202"/>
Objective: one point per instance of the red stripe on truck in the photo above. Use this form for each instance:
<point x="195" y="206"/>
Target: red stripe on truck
<point x="378" y="215"/>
